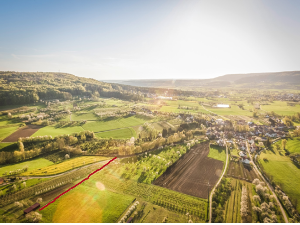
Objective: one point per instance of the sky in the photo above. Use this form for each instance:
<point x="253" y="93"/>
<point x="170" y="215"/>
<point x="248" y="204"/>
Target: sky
<point x="150" y="39"/>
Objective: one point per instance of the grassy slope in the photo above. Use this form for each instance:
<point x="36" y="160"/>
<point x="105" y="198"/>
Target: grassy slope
<point x="50" y="130"/>
<point x="217" y="152"/>
<point x="293" y="145"/>
<point x="113" y="124"/>
<point x="9" y="147"/>
<point x="32" y="164"/>
<point x="119" y="134"/>
<point x="65" y="166"/>
<point x="84" y="116"/>
<point x="284" y="172"/>
<point x="87" y="204"/>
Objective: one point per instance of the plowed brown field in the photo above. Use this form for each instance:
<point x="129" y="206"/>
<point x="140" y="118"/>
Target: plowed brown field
<point x="241" y="171"/>
<point x="193" y="174"/>
<point x="23" y="132"/>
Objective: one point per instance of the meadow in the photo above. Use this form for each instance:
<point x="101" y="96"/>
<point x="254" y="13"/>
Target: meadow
<point x="83" y="116"/>
<point x="53" y="131"/>
<point x="89" y="202"/>
<point x="31" y="164"/>
<point x="64" y="166"/>
<point x="123" y="133"/>
<point x="9" y="146"/>
<point x="217" y="152"/>
<point x="283" y="172"/>
<point x="281" y="108"/>
<point x="113" y="124"/>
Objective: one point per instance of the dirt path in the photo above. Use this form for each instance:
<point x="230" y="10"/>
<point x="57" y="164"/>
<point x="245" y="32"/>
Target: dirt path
<point x="213" y="190"/>
<point x="270" y="187"/>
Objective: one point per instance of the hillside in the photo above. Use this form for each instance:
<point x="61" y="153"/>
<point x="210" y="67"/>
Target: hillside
<point x="276" y="80"/>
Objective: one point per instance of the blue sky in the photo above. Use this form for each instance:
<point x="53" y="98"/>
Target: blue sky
<point x="150" y="39"/>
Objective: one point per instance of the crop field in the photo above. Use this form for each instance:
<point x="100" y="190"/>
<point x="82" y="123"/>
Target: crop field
<point x="193" y="172"/>
<point x="242" y="171"/>
<point x="113" y="124"/>
<point x="89" y="202"/>
<point x="53" y="131"/>
<point x="281" y="108"/>
<point x="83" y="116"/>
<point x="217" y="152"/>
<point x="31" y="164"/>
<point x="169" y="199"/>
<point x="233" y="204"/>
<point x="124" y="133"/>
<point x="283" y="172"/>
<point x="26" y="131"/>
<point x="7" y="131"/>
<point x="150" y="166"/>
<point x="65" y="166"/>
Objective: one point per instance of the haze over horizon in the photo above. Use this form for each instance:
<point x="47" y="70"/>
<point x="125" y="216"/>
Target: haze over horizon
<point x="117" y="40"/>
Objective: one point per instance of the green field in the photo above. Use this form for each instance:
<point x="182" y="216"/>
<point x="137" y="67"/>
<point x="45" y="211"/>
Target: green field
<point x="89" y="202"/>
<point x="65" y="166"/>
<point x="32" y="165"/>
<point x="234" y="152"/>
<point x="281" y="108"/>
<point x="113" y="124"/>
<point x="284" y="172"/>
<point x="50" y="130"/>
<point x="6" y="131"/>
<point x="217" y="152"/>
<point x="234" y="110"/>
<point x="118" y="134"/>
<point x="84" y="116"/>
<point x="292" y="145"/>
<point x="8" y="147"/>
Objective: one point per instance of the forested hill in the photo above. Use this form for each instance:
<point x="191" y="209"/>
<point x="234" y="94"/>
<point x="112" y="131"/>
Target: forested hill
<point x="273" y="80"/>
<point x="30" y="87"/>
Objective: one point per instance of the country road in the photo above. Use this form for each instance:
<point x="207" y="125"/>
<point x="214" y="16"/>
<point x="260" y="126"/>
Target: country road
<point x="213" y="190"/>
<point x="270" y="187"/>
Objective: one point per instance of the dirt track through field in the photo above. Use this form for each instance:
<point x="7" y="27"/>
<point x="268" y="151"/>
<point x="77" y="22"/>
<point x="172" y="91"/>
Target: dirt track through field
<point x="193" y="174"/>
<point x="23" y="132"/>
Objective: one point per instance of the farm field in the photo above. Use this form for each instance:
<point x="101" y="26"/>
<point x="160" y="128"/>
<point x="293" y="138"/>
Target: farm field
<point x="31" y="164"/>
<point x="234" y="110"/>
<point x="233" y="205"/>
<point x="283" y="172"/>
<point x="23" y="132"/>
<point x="51" y="130"/>
<point x="7" y="131"/>
<point x="113" y="124"/>
<point x="150" y="213"/>
<point x="184" y="176"/>
<point x="90" y="202"/>
<point x="124" y="133"/>
<point x="239" y="170"/>
<point x="65" y="166"/>
<point x="281" y="108"/>
<point x="217" y="152"/>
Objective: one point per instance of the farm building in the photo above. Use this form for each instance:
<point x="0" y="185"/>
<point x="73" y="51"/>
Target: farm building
<point x="31" y="208"/>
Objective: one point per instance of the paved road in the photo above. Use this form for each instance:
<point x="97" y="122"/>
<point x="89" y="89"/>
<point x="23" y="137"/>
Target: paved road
<point x="213" y="190"/>
<point x="270" y="187"/>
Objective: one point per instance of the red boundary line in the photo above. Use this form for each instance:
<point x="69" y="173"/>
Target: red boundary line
<point x="77" y="184"/>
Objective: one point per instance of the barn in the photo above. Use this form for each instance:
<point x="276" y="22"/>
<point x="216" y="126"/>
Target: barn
<point x="31" y="208"/>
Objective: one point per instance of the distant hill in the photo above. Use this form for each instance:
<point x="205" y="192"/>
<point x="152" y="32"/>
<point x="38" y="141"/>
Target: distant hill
<point x="280" y="80"/>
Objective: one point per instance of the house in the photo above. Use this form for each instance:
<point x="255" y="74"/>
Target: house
<point x="1" y="180"/>
<point x="132" y="112"/>
<point x="242" y="154"/>
<point x="31" y="208"/>
<point x="245" y="160"/>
